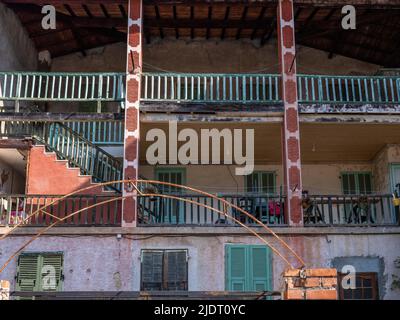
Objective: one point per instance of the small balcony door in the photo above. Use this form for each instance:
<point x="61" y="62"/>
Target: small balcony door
<point x="172" y="210"/>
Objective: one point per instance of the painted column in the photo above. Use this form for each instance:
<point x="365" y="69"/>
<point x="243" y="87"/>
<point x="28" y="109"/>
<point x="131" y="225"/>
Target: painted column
<point x="290" y="127"/>
<point x="131" y="142"/>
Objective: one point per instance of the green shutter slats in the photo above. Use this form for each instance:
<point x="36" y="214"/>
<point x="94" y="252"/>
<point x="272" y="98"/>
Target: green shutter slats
<point x="36" y="268"/>
<point x="53" y="261"/>
<point x="248" y="268"/>
<point x="27" y="273"/>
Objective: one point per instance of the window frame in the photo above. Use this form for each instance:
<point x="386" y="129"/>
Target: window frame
<point x="356" y="175"/>
<point x="164" y="281"/>
<point x="373" y="277"/>
<point x="259" y="173"/>
<point x="40" y="256"/>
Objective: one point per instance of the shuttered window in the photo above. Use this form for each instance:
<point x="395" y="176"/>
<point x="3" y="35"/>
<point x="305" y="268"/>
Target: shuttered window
<point x="366" y="287"/>
<point x="248" y="268"/>
<point x="356" y="183"/>
<point x="261" y="182"/>
<point x="39" y="272"/>
<point x="164" y="270"/>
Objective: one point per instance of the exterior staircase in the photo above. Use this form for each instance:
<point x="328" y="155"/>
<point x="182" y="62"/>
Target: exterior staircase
<point x="70" y="147"/>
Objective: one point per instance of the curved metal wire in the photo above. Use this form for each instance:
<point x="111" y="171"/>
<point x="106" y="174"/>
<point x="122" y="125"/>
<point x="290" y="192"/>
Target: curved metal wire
<point x="134" y="183"/>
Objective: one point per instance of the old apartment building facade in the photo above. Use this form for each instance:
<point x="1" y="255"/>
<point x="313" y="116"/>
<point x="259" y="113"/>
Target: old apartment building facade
<point x="79" y="104"/>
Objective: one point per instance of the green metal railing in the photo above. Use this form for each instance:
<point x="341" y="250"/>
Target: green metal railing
<point x="211" y="87"/>
<point x="99" y="132"/>
<point x="43" y="86"/>
<point x="266" y="88"/>
<point x="69" y="145"/>
<point x="348" y="89"/>
<point x="198" y="88"/>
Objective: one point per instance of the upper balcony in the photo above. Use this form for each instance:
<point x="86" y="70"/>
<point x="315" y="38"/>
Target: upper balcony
<point x="316" y="93"/>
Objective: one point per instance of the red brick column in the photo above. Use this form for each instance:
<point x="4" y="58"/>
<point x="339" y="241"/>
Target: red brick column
<point x="290" y="129"/>
<point x="310" y="284"/>
<point x="131" y="145"/>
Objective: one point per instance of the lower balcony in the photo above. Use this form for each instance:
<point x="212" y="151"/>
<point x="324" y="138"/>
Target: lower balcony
<point x="193" y="210"/>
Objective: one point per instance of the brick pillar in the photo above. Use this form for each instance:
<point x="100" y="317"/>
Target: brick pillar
<point x="290" y="127"/>
<point x="310" y="284"/>
<point x="131" y="142"/>
<point x="4" y="290"/>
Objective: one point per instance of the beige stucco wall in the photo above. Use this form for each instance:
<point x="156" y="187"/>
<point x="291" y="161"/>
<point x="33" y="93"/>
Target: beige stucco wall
<point x="111" y="58"/>
<point x="317" y="178"/>
<point x="242" y="56"/>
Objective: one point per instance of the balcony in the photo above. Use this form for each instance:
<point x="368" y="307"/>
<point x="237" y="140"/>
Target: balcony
<point x="320" y="211"/>
<point x="196" y="210"/>
<point x="209" y="88"/>
<point x="62" y="87"/>
<point x="265" y="89"/>
<point x="43" y="210"/>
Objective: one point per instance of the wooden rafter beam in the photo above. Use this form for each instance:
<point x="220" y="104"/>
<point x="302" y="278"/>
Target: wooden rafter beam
<point x="260" y="17"/>
<point x="226" y="18"/>
<point x="158" y="18"/>
<point x="175" y="15"/>
<point x="243" y="19"/>
<point x="206" y="23"/>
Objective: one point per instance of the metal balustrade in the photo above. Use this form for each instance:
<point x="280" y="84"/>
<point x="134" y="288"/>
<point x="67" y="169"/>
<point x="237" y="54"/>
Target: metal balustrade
<point x="348" y="89"/>
<point x="66" y="87"/>
<point x="211" y="87"/>
<point x="198" y="88"/>
<point x="69" y="145"/>
<point x="99" y="132"/>
<point x="350" y="210"/>
<point x="156" y="210"/>
<point x="15" y="209"/>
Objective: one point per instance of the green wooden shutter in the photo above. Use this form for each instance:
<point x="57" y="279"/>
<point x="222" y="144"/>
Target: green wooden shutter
<point x="236" y="268"/>
<point x="27" y="273"/>
<point x="176" y="270"/>
<point x="152" y="270"/>
<point x="33" y="272"/>
<point x="261" y="182"/>
<point x="54" y="260"/>
<point x="356" y="183"/>
<point x="260" y="268"/>
<point x="248" y="268"/>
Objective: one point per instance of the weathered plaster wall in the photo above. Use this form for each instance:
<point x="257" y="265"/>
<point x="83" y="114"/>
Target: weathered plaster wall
<point x="12" y="182"/>
<point x="208" y="56"/>
<point x="214" y="178"/>
<point x="387" y="156"/>
<point x="241" y="56"/>
<point x="111" y="58"/>
<point x="17" y="51"/>
<point x="105" y="263"/>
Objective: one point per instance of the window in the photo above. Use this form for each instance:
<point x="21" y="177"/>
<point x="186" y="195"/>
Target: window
<point x="366" y="287"/>
<point x="164" y="270"/>
<point x="39" y="272"/>
<point x="356" y="183"/>
<point x="248" y="268"/>
<point x="261" y="182"/>
<point x="172" y="210"/>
